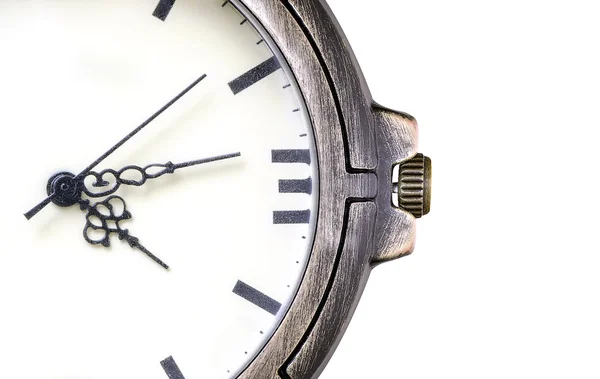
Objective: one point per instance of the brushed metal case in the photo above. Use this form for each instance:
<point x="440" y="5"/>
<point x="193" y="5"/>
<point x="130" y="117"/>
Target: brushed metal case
<point x="358" y="142"/>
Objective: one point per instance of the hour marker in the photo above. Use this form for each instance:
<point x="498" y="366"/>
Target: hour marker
<point x="291" y="217"/>
<point x="171" y="368"/>
<point x="292" y="186"/>
<point x="257" y="298"/>
<point x="255" y="75"/>
<point x="296" y="186"/>
<point x="291" y="156"/>
<point x="163" y="9"/>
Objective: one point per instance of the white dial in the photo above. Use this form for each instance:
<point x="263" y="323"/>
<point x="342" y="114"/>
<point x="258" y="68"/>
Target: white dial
<point x="75" y="78"/>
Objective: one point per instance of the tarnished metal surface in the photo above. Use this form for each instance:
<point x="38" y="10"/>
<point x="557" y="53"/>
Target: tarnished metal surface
<point x="397" y="139"/>
<point x="349" y="85"/>
<point x="357" y="145"/>
<point x="346" y="288"/>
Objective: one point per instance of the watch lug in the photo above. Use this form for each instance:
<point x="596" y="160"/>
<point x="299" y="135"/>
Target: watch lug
<point x="397" y="142"/>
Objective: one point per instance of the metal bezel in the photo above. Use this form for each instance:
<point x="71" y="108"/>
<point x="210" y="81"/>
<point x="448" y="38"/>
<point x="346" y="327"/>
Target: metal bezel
<point x="357" y="144"/>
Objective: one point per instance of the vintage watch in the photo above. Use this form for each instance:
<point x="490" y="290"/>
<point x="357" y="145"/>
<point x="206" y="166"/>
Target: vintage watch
<point x="206" y="186"/>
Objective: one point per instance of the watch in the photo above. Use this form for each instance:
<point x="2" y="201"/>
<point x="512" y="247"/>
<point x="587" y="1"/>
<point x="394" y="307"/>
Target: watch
<point x="206" y="186"/>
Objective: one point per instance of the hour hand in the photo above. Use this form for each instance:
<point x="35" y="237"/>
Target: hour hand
<point x="138" y="176"/>
<point x="104" y="218"/>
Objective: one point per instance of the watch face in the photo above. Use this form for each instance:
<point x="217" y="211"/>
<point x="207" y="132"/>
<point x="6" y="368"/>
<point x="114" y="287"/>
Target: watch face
<point x="218" y="182"/>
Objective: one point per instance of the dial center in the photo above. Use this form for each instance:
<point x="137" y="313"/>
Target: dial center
<point x="67" y="190"/>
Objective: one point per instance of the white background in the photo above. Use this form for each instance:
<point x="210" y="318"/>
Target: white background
<point x="505" y="280"/>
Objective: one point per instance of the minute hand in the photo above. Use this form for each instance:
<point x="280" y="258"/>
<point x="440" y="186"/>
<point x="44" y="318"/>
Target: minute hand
<point x="35" y="210"/>
<point x="152" y="171"/>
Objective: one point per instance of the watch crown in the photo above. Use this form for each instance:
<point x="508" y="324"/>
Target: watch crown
<point x="413" y="186"/>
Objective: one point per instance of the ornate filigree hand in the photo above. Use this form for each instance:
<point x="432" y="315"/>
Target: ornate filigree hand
<point x="115" y="179"/>
<point x="105" y="217"/>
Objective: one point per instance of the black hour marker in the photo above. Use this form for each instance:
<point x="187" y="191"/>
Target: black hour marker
<point x="255" y="75"/>
<point x="171" y="368"/>
<point x="296" y="186"/>
<point x="257" y="298"/>
<point x="291" y="217"/>
<point x="291" y="156"/>
<point x="163" y="9"/>
<point x="292" y="186"/>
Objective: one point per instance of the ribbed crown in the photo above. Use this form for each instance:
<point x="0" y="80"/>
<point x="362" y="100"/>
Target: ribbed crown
<point x="414" y="185"/>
